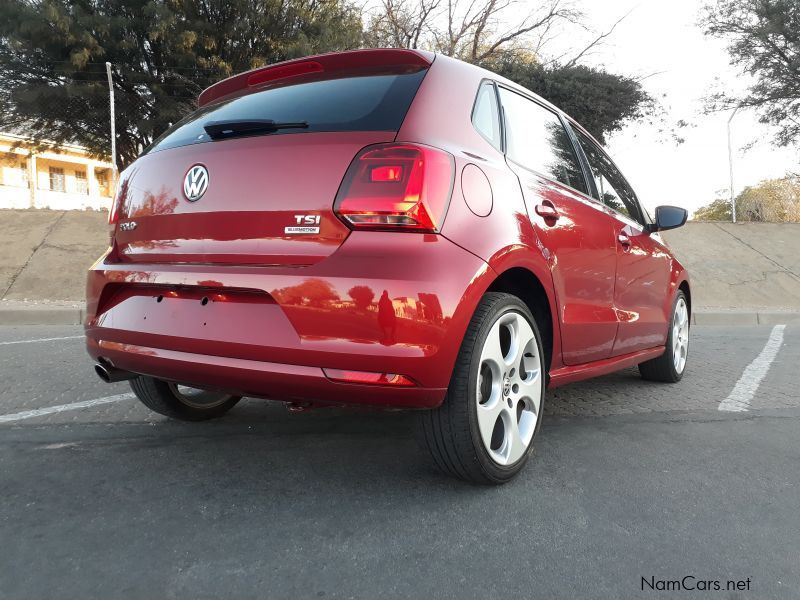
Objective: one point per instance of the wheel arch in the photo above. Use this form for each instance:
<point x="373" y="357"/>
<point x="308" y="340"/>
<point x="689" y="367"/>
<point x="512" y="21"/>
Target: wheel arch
<point x="686" y="289"/>
<point x="528" y="287"/>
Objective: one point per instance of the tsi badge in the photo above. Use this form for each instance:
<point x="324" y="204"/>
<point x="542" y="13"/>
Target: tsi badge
<point x="305" y="224"/>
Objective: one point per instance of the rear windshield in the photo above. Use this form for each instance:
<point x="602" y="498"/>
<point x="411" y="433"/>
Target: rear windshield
<point x="366" y="103"/>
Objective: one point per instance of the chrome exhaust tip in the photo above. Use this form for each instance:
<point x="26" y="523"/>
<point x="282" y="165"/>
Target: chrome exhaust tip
<point x="111" y="374"/>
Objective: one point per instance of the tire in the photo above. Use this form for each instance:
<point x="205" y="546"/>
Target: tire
<point x="176" y="402"/>
<point x="457" y="433"/>
<point x="670" y="366"/>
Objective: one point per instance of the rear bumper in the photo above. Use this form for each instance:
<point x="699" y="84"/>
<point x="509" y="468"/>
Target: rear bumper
<point x="244" y="377"/>
<point x="382" y="303"/>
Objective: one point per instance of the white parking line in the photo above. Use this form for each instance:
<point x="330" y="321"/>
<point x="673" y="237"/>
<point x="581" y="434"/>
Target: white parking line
<point x="68" y="337"/>
<point x="49" y="410"/>
<point x="747" y="386"/>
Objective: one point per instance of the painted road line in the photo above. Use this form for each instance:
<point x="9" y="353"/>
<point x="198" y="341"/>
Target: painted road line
<point x="49" y="410"/>
<point x="55" y="339"/>
<point x="747" y="386"/>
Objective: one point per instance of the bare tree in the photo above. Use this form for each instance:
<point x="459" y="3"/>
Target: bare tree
<point x="477" y="30"/>
<point x="403" y="23"/>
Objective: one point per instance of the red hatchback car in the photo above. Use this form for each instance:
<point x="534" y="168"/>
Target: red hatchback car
<point x="384" y="227"/>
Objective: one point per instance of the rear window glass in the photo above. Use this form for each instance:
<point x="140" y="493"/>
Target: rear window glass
<point x="366" y="103"/>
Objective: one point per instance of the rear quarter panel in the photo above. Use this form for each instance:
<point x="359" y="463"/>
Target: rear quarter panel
<point x="441" y="116"/>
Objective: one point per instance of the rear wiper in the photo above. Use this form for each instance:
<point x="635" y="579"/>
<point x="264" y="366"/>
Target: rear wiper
<point x="220" y="130"/>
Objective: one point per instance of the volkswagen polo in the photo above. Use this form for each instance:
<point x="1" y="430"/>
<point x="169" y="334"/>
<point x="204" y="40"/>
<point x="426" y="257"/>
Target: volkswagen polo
<point x="383" y="227"/>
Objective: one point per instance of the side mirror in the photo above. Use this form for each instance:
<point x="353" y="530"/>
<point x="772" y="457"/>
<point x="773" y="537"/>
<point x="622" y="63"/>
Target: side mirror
<point x="669" y="217"/>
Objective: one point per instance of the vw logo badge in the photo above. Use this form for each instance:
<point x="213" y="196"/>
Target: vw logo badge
<point x="195" y="183"/>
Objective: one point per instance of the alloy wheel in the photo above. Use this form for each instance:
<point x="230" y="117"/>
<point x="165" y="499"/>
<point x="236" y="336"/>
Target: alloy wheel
<point x="509" y="389"/>
<point x="680" y="335"/>
<point x="196" y="398"/>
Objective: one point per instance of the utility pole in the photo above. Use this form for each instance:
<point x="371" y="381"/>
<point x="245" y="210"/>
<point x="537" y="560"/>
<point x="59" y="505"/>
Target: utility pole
<point x="113" y="125"/>
<point x="730" y="163"/>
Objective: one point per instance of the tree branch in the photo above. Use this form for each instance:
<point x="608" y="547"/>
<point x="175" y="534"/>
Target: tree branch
<point x="598" y="40"/>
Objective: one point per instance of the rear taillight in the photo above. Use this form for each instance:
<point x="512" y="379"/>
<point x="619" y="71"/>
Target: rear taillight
<point x="396" y="187"/>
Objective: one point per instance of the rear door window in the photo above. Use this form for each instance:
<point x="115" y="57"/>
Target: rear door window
<point x="536" y="139"/>
<point x="357" y="103"/>
<point x="486" y="114"/>
<point x="612" y="189"/>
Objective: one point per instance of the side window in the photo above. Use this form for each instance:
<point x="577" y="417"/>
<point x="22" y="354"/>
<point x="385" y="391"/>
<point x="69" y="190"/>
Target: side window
<point x="57" y="181"/>
<point x="612" y="188"/>
<point x="81" y="183"/>
<point x="486" y="115"/>
<point x="537" y="140"/>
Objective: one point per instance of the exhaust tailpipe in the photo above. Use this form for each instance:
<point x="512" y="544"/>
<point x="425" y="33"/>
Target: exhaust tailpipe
<point x="111" y="374"/>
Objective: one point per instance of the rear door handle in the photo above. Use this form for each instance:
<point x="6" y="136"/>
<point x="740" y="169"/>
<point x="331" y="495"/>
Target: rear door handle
<point x="624" y="241"/>
<point x="547" y="211"/>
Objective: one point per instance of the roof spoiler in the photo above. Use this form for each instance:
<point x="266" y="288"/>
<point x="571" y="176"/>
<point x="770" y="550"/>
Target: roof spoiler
<point x="384" y="60"/>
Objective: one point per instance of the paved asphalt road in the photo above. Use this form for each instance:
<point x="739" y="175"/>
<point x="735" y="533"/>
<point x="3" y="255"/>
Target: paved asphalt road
<point x="629" y="480"/>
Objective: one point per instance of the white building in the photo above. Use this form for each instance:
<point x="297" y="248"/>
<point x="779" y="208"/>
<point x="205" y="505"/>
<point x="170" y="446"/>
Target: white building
<point x="67" y="178"/>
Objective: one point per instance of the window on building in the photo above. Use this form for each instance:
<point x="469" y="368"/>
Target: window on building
<point x="81" y="183"/>
<point x="12" y="173"/>
<point x="57" y="182"/>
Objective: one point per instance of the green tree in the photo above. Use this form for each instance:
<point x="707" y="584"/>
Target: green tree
<point x="600" y="101"/>
<point x="163" y="52"/>
<point x="718" y="210"/>
<point x="764" y="41"/>
<point x="771" y="201"/>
